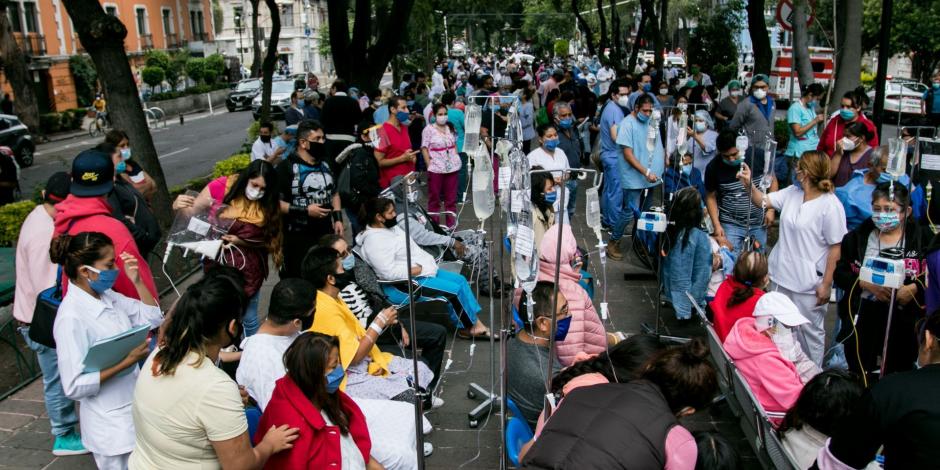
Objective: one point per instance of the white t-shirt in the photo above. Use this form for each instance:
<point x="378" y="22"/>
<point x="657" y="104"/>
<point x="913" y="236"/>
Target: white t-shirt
<point x="807" y="230"/>
<point x="260" y="150"/>
<point x="256" y="369"/>
<point x="178" y="417"/>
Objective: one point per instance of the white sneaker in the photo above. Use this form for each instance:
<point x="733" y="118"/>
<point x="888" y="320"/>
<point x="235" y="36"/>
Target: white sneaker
<point x="436" y="402"/>
<point x="428" y="449"/>
<point x="427" y="428"/>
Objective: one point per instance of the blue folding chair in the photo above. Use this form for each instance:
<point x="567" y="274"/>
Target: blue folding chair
<point x="253" y="414"/>
<point x="517" y="434"/>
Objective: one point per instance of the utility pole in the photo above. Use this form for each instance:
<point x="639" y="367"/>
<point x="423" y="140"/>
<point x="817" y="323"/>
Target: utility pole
<point x="238" y="28"/>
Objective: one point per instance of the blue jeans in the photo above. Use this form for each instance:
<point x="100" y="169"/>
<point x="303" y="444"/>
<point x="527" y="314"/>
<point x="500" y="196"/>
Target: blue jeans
<point x="462" y="304"/>
<point x="462" y="177"/>
<point x="630" y="201"/>
<point x="250" y="321"/>
<point x="572" y="193"/>
<point x="736" y="234"/>
<point x="613" y="193"/>
<point x="61" y="409"/>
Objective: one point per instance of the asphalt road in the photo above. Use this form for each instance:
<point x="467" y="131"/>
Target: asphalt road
<point x="186" y="152"/>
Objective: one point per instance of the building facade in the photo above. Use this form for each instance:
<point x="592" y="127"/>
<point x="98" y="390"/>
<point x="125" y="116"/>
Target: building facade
<point x="45" y="33"/>
<point x="299" y="42"/>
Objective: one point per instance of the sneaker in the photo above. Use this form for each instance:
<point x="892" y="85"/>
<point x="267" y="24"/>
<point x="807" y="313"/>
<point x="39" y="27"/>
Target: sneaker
<point x="428" y="449"/>
<point x="436" y="402"/>
<point x="68" y="444"/>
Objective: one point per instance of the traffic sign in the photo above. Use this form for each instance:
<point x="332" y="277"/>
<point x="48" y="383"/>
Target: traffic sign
<point x="307" y="32"/>
<point x="785" y="14"/>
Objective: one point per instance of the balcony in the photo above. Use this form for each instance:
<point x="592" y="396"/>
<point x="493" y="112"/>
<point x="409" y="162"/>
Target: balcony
<point x="32" y="44"/>
<point x="146" y="41"/>
<point x="200" y="37"/>
<point x="173" y="41"/>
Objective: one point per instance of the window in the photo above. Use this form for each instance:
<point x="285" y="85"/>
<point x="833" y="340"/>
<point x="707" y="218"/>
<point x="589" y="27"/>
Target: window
<point x="29" y="10"/>
<point x="13" y="11"/>
<point x="287" y="15"/>
<point x="167" y="21"/>
<point x="111" y="10"/>
<point x="142" y="21"/>
<point x="237" y="16"/>
<point x="196" y="20"/>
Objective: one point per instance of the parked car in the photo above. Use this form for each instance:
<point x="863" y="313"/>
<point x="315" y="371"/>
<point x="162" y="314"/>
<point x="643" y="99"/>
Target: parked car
<point x="15" y="135"/>
<point x="240" y="97"/>
<point x="902" y="96"/>
<point x="280" y="99"/>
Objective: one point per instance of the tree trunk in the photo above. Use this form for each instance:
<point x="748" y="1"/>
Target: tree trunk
<point x="661" y="37"/>
<point x="255" y="40"/>
<point x="102" y="36"/>
<point x="760" y="38"/>
<point x="646" y="19"/>
<point x="585" y="27"/>
<point x="17" y="73"/>
<point x="848" y="48"/>
<point x="270" y="59"/>
<point x="804" y="68"/>
<point x="616" y="50"/>
<point x="605" y="39"/>
<point x="361" y="59"/>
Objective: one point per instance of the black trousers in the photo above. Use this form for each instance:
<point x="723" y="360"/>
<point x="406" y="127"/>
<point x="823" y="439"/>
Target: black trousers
<point x="431" y="338"/>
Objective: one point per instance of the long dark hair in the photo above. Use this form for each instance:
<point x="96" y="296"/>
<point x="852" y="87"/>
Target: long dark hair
<point x="824" y="402"/>
<point x="684" y="375"/>
<point x="205" y="308"/>
<point x="270" y="203"/>
<point x="750" y="270"/>
<point x="305" y="361"/>
<point x="538" y="188"/>
<point x="372" y="208"/>
<point x="621" y="364"/>
<point x="73" y="252"/>
<point x="685" y="215"/>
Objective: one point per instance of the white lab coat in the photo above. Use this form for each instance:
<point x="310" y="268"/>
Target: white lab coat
<point x="107" y="425"/>
<point x="384" y="250"/>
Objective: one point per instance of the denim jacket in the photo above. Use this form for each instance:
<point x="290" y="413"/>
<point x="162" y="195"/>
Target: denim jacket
<point x="687" y="267"/>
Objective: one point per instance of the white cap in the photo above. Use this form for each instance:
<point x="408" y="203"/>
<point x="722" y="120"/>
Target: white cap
<point x="774" y="305"/>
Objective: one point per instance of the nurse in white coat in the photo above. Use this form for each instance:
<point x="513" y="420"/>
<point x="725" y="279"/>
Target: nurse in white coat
<point x="91" y="311"/>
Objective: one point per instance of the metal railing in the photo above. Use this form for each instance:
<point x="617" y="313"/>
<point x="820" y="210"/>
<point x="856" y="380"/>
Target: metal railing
<point x="155" y="116"/>
<point x="146" y="41"/>
<point x="201" y="36"/>
<point x="32" y="44"/>
<point x="172" y="41"/>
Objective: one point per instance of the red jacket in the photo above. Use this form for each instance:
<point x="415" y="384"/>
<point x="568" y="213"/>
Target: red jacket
<point x="724" y="317"/>
<point x="835" y="130"/>
<point x="317" y="445"/>
<point x="93" y="214"/>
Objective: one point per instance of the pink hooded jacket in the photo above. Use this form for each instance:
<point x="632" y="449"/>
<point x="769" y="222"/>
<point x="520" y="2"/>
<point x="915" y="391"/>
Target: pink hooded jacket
<point x="773" y="379"/>
<point x="586" y="332"/>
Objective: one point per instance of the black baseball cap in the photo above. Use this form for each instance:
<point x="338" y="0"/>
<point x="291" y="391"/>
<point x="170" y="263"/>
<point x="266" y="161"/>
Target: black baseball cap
<point x="57" y="187"/>
<point x="92" y="174"/>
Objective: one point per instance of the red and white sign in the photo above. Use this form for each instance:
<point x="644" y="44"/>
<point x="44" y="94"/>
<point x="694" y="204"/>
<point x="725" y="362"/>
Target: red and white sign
<point x="785" y="14"/>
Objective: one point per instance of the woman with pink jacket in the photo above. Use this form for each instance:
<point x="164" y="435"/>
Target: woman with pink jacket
<point x="586" y="335"/>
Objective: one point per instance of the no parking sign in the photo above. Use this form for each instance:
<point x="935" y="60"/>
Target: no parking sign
<point x="785" y="14"/>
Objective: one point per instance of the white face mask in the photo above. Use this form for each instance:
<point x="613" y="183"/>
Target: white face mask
<point x="441" y="120"/>
<point x="253" y="193"/>
<point x="700" y="127"/>
<point x="663" y="91"/>
<point x="735" y="92"/>
<point x="760" y="93"/>
<point x="624" y="101"/>
<point x="683" y="106"/>
<point x="848" y="144"/>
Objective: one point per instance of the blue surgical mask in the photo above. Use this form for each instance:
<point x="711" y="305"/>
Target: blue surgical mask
<point x="700" y="127"/>
<point x="105" y="281"/>
<point x="121" y="167"/>
<point x="349" y="262"/>
<point x="551" y="145"/>
<point x="687" y="170"/>
<point x="883" y="178"/>
<point x="643" y="118"/>
<point x="402" y="116"/>
<point x="551" y="197"/>
<point x="886" y="221"/>
<point x="647" y="87"/>
<point x="566" y="123"/>
<point x="736" y="162"/>
<point x="561" y="328"/>
<point x="125" y="153"/>
<point x="812" y="104"/>
<point x="847" y="114"/>
<point x="334" y="378"/>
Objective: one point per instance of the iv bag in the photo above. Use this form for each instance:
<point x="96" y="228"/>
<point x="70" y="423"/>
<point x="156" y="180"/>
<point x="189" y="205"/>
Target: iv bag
<point x="593" y="207"/>
<point x="897" y="157"/>
<point x="682" y="144"/>
<point x="652" y="134"/>
<point x="770" y="154"/>
<point x="200" y="232"/>
<point x="472" y="121"/>
<point x="484" y="202"/>
<point x="525" y="253"/>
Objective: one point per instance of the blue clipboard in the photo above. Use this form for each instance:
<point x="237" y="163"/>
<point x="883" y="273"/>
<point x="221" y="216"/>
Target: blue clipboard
<point x="109" y="351"/>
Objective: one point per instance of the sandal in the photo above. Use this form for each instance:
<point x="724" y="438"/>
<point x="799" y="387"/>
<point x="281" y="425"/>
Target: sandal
<point x="465" y="334"/>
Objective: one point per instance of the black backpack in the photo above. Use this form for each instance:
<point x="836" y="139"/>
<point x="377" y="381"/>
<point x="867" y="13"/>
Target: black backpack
<point x="353" y="181"/>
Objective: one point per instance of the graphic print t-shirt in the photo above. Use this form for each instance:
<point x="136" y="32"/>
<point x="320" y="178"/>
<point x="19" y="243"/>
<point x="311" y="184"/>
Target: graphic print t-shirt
<point x="302" y="185"/>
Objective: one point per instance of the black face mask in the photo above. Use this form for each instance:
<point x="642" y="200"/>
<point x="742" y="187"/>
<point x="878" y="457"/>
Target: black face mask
<point x="306" y="322"/>
<point x="265" y="138"/>
<point x="390" y="223"/>
<point x="316" y="150"/>
<point x="342" y="279"/>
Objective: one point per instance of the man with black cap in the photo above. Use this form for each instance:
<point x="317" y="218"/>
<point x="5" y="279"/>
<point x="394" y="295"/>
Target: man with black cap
<point x="34" y="273"/>
<point x="86" y="210"/>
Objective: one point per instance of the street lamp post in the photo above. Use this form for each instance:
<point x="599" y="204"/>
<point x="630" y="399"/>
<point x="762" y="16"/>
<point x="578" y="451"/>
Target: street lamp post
<point x="238" y="27"/>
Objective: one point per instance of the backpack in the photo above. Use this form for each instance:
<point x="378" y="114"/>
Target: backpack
<point x="47" y="306"/>
<point x="541" y="117"/>
<point x="349" y="186"/>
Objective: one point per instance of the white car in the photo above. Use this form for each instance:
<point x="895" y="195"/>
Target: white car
<point x="902" y="96"/>
<point x="280" y="99"/>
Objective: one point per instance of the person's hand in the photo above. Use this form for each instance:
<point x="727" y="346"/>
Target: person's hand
<point x="769" y="217"/>
<point x="416" y="270"/>
<point x="460" y="248"/>
<point x="716" y="262"/>
<point x="881" y="293"/>
<point x="278" y="151"/>
<point x="317" y="211"/>
<point x="243" y="393"/>
<point x="131" y="267"/>
<point x="906" y="294"/>
<point x="651" y="177"/>
<point x="389" y="315"/>
<point x="720" y="236"/>
<point x="689" y="131"/>
<point x="820" y="119"/>
<point x="839" y="149"/>
<point x="822" y="293"/>
<point x="280" y="438"/>
<point x="231" y="239"/>
<point x="405" y="339"/>
<point x="183" y="201"/>
<point x="744" y="175"/>
<point x="411" y="155"/>
<point x="338" y="227"/>
<point x="137" y="354"/>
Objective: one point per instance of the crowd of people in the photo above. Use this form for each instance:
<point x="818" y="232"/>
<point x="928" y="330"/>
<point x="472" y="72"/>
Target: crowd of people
<point x="322" y="376"/>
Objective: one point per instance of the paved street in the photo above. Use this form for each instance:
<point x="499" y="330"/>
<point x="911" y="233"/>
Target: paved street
<point x="186" y="152"/>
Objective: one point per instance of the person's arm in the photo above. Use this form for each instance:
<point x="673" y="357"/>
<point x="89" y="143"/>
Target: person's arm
<point x="836" y="160"/>
<point x="337" y="214"/>
<point x="800" y="130"/>
<point x="190" y="206"/>
<point x="843" y="275"/>
<point x="238" y="454"/>
<point x="427" y="157"/>
<point x="383" y="320"/>
<point x="740" y="115"/>
<point x="825" y="286"/>
<point x="711" y="204"/>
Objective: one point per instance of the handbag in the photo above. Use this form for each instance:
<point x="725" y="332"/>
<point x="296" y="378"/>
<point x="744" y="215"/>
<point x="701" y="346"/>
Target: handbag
<point x="47" y="305"/>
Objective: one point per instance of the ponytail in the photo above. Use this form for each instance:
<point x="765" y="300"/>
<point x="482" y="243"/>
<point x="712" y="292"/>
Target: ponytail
<point x="816" y="166"/>
<point x="750" y="269"/>
<point x="73" y="252"/>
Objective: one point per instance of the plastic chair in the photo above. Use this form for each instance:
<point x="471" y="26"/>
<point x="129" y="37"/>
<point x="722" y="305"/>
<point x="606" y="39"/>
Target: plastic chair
<point x="253" y="414"/>
<point x="518" y="434"/>
<point x="514" y="410"/>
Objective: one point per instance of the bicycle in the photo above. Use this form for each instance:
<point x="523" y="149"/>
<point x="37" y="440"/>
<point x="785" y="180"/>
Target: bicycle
<point x="98" y="126"/>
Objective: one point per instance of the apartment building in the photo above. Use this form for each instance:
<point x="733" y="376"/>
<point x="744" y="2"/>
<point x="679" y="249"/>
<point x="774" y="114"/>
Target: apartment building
<point x="44" y="31"/>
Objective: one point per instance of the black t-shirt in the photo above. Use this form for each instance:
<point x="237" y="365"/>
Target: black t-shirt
<point x="301" y="185"/>
<point x="340" y="115"/>
<point x="734" y="203"/>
